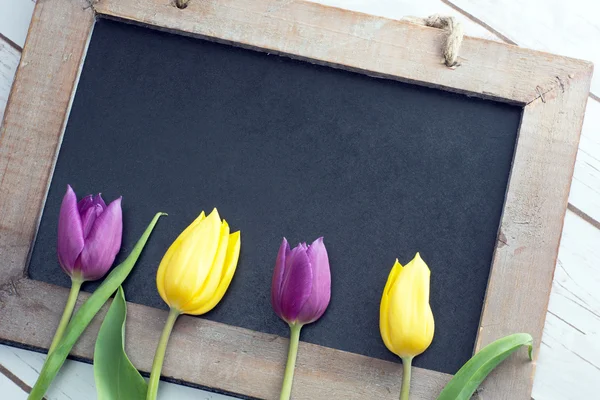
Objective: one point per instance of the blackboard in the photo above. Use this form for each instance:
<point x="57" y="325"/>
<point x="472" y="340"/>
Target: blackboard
<point x="381" y="169"/>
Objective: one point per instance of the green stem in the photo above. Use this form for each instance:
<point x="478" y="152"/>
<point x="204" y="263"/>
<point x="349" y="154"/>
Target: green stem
<point x="159" y="356"/>
<point x="288" y="378"/>
<point x="66" y="317"/>
<point x="86" y="313"/>
<point x="406" y="363"/>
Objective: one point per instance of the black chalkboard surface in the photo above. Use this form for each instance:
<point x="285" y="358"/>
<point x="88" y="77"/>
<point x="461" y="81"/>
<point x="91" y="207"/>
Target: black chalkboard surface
<point x="379" y="168"/>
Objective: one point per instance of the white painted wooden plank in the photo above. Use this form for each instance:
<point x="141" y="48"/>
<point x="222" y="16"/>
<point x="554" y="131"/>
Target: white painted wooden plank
<point x="9" y="60"/>
<point x="585" y="189"/>
<point x="76" y="379"/>
<point x="568" y="367"/>
<point x="398" y="9"/>
<point x="11" y="391"/>
<point x="570" y="28"/>
<point x="14" y="19"/>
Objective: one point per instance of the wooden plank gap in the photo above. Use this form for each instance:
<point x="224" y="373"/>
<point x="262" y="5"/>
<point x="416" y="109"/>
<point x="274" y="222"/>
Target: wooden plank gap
<point x="11" y="43"/>
<point x="15" y="379"/>
<point x="478" y="21"/>
<point x="587" y="218"/>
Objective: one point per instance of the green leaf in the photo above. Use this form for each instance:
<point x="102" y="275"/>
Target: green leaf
<point x="116" y="377"/>
<point x="469" y="377"/>
<point x="86" y="313"/>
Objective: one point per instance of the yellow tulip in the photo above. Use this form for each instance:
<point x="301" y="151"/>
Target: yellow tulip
<point x="193" y="277"/>
<point x="405" y="319"/>
<point x="198" y="267"/>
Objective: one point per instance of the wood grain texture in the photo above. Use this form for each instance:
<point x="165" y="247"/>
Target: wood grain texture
<point x="401" y="9"/>
<point x="9" y="59"/>
<point x="530" y="228"/>
<point x="553" y="87"/>
<point x="215" y="355"/>
<point x="33" y="123"/>
<point x="394" y="49"/>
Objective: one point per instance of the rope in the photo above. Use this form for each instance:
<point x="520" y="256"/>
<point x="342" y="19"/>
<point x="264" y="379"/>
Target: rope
<point x="453" y="40"/>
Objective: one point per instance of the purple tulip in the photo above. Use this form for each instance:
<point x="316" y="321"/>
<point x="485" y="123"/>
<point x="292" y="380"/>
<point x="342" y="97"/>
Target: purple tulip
<point x="89" y="235"/>
<point x="301" y="282"/>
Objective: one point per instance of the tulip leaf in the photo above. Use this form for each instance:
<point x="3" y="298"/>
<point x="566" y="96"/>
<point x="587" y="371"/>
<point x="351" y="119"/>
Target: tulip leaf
<point x="469" y="377"/>
<point x="116" y="377"/>
<point x="86" y="313"/>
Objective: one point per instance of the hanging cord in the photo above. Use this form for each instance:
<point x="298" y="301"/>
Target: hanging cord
<point x="453" y="40"/>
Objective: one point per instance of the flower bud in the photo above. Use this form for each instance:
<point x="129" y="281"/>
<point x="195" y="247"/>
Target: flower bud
<point x="301" y="286"/>
<point x="89" y="235"/>
<point x="196" y="271"/>
<point x="406" y="321"/>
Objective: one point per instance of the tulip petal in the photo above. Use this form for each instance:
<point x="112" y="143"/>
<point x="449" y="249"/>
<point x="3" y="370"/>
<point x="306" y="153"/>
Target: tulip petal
<point x="70" y="233"/>
<point x="164" y="264"/>
<point x="88" y="217"/>
<point x="396" y="271"/>
<point x="383" y="322"/>
<point x="85" y="203"/>
<point x="191" y="226"/>
<point x="317" y="302"/>
<point x="277" y="280"/>
<point x="191" y="263"/>
<point x="99" y="201"/>
<point x="384" y="307"/>
<point x="206" y="291"/>
<point x="297" y="284"/>
<point x="411" y="323"/>
<point x="103" y="242"/>
<point x="230" y="264"/>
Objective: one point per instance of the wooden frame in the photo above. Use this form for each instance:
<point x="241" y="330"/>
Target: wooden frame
<point x="553" y="91"/>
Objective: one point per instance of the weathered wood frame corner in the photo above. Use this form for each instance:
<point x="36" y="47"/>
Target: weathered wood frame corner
<point x="553" y="91"/>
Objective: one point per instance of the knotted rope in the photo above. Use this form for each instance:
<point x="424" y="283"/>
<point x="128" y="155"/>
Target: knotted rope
<point x="453" y="39"/>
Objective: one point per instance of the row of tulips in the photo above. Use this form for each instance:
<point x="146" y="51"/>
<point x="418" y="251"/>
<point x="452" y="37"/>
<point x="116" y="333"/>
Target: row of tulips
<point x="194" y="275"/>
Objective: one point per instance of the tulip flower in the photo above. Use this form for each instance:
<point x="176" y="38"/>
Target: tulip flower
<point x="89" y="238"/>
<point x="193" y="276"/>
<point x="405" y="320"/>
<point x="300" y="293"/>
